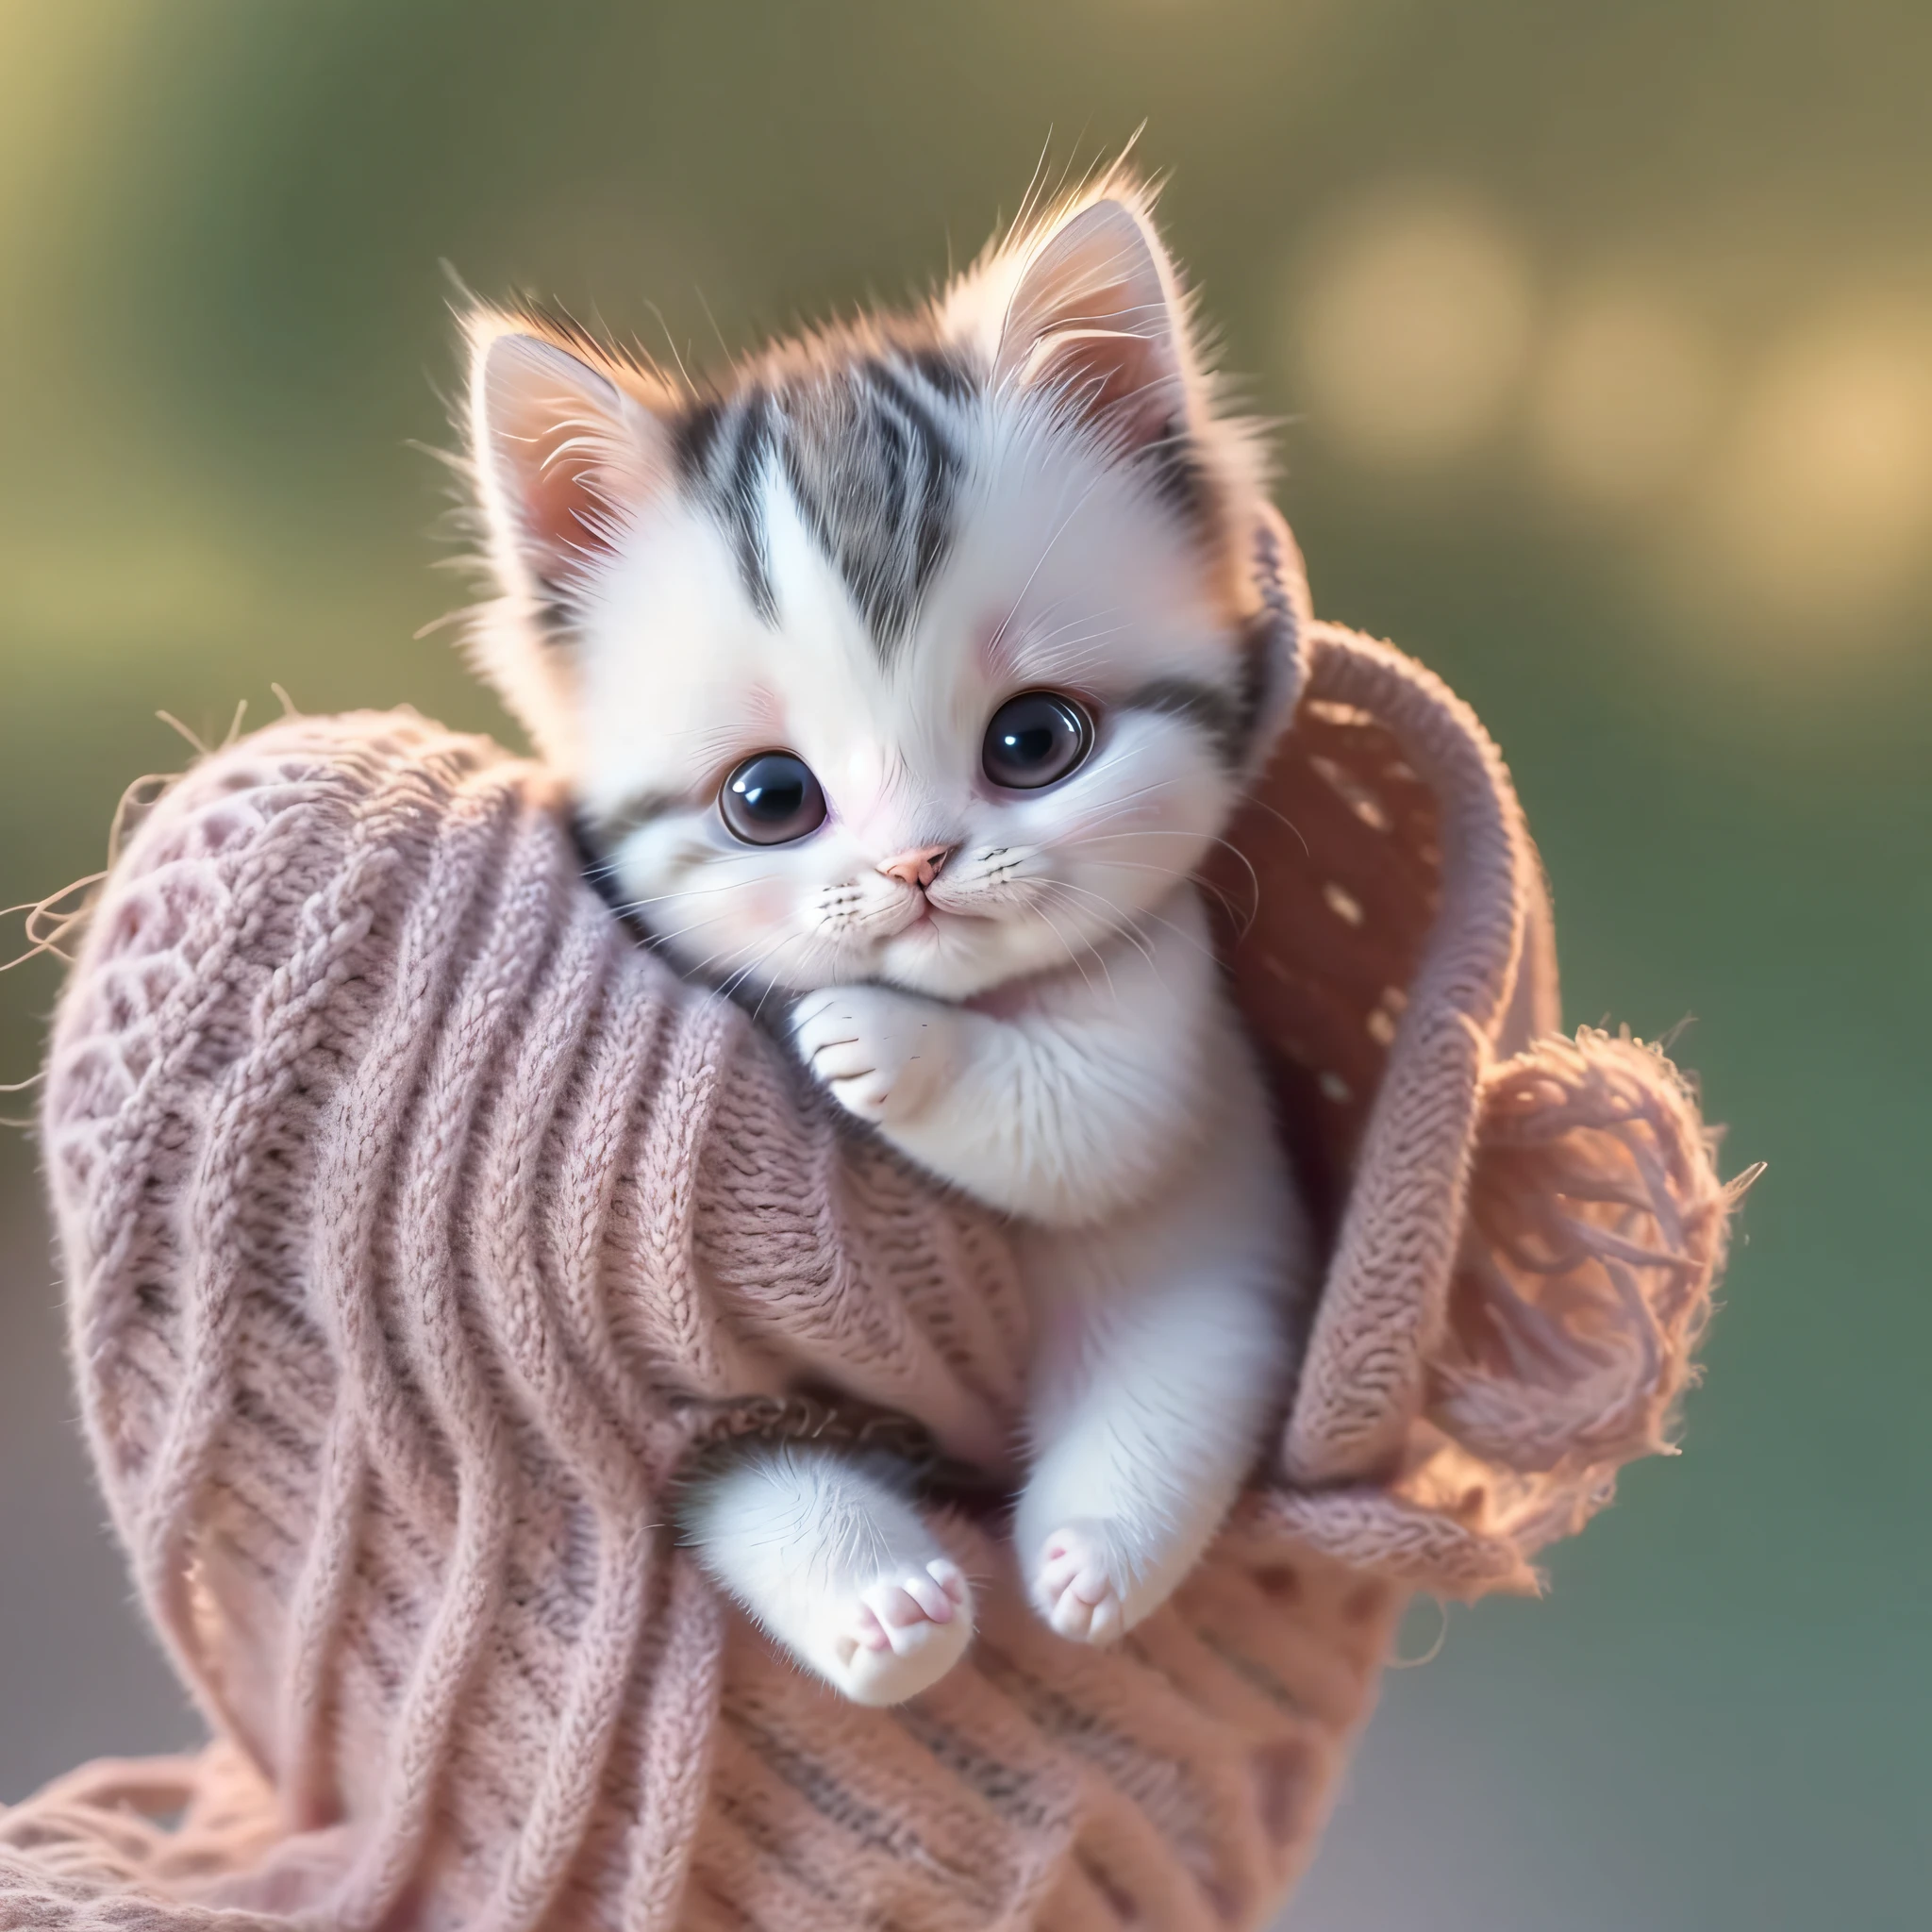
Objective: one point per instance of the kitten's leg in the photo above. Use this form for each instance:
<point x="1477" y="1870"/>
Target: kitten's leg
<point x="1166" y="1350"/>
<point x="1145" y="1437"/>
<point x="829" y="1555"/>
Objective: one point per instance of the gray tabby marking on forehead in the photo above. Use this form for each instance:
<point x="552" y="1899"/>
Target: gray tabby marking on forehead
<point x="874" y="453"/>
<point x="723" y="448"/>
<point x="871" y="440"/>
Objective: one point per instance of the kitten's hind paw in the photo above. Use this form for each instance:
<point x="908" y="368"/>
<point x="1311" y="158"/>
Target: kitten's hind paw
<point x="901" y="1635"/>
<point x="1080" y="1587"/>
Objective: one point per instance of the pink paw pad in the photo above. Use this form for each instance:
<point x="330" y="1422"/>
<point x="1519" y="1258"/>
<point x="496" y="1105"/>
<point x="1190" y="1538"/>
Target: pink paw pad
<point x="1076" y="1590"/>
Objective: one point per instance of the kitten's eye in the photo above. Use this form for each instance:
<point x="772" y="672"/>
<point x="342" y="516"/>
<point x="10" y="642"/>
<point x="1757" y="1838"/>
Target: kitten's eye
<point x="772" y="799"/>
<point x="1036" y="739"/>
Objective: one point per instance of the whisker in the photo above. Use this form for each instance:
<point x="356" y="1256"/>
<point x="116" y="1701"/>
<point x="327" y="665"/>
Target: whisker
<point x="658" y="941"/>
<point x="771" y="987"/>
<point x="1112" y="905"/>
<point x="1281" y="819"/>
<point x="1119" y="924"/>
<point x="692" y="972"/>
<point x="732" y="981"/>
<point x="1245" y="920"/>
<point x="1155" y="832"/>
<point x="1066" y="946"/>
<point x="685" y="892"/>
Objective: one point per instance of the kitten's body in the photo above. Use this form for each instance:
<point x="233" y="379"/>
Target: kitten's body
<point x="1022" y="510"/>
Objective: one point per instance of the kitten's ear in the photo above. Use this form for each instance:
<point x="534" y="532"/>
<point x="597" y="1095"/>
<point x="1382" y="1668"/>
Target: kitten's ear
<point x="1097" y="317"/>
<point x="563" y="457"/>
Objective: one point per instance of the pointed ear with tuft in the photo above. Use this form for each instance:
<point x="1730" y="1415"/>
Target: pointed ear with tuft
<point x="1097" y="318"/>
<point x="563" y="456"/>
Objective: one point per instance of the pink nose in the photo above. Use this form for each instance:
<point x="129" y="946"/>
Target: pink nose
<point x="918" y="866"/>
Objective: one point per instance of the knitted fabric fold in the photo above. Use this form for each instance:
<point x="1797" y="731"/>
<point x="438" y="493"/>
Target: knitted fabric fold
<point x="419" y="1225"/>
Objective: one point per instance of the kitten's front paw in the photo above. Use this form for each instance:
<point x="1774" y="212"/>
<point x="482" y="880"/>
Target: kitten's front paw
<point x="1080" y="1585"/>
<point x="883" y="1054"/>
<point x="900" y="1634"/>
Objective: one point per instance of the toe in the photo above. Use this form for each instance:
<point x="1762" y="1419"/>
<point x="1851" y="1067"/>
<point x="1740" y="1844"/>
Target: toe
<point x="861" y="1096"/>
<point x="930" y="1595"/>
<point x="812" y="1007"/>
<point x="1075" y="1588"/>
<point x="843" y="1060"/>
<point x="949" y="1577"/>
<point x="1092" y="1585"/>
<point x="1071" y="1617"/>
<point x="893" y="1606"/>
<point x="915" y="1649"/>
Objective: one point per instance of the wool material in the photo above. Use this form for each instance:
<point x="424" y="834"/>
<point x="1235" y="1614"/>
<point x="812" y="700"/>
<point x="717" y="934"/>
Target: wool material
<point x="421" y="1228"/>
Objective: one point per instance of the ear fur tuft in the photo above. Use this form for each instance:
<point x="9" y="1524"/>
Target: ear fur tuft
<point x="1080" y="305"/>
<point x="564" y="452"/>
<point x="1094" y="317"/>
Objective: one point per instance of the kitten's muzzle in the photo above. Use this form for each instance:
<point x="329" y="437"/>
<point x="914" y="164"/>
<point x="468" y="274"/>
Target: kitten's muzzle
<point x="919" y="865"/>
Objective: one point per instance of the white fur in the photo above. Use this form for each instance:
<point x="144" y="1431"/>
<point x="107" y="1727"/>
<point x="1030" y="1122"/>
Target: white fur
<point x="1122" y="1116"/>
<point x="1045" y="1027"/>
<point x="826" y="1552"/>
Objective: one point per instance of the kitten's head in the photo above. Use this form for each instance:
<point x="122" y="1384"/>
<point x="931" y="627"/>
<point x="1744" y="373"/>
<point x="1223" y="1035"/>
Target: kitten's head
<point x="921" y="650"/>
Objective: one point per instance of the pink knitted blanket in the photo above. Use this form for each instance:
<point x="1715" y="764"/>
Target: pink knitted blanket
<point x="419" y="1226"/>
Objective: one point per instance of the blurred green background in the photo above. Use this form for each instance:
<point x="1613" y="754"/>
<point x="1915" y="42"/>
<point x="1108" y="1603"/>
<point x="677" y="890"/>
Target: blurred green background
<point x="1601" y="335"/>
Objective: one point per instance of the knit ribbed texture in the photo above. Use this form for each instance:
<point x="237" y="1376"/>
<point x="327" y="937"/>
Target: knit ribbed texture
<point x="418" y="1224"/>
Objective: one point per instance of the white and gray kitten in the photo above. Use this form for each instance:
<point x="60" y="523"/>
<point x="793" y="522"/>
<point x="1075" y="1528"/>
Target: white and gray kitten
<point x="906" y="680"/>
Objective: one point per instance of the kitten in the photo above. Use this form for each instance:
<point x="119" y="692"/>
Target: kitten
<point x="908" y="673"/>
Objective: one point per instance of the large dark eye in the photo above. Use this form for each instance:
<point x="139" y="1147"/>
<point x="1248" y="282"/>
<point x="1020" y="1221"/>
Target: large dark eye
<point x="772" y="799"/>
<point x="1036" y="739"/>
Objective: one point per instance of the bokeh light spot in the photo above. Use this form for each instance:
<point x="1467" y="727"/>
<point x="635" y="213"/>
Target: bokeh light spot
<point x="1412" y="330"/>
<point x="1824" y="501"/>
<point x="1624" y="397"/>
